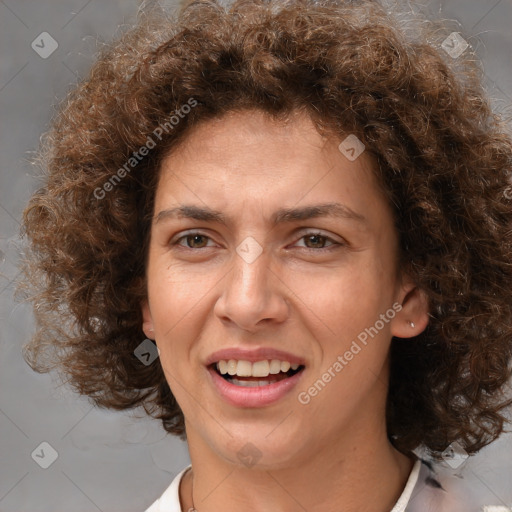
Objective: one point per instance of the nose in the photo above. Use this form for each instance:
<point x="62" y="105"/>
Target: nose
<point x="253" y="295"/>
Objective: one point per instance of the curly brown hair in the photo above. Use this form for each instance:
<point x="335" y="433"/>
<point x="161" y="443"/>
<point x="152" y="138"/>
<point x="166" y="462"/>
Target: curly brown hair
<point x="444" y="162"/>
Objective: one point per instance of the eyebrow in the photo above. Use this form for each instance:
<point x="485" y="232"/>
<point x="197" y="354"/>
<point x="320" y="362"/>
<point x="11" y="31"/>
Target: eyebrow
<point x="333" y="210"/>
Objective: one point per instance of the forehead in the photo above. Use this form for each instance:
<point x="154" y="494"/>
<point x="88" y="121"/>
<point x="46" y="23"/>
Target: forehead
<point x="246" y="160"/>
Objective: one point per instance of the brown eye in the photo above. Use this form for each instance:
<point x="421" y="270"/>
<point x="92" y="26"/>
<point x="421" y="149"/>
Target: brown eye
<point x="317" y="241"/>
<point x="313" y="241"/>
<point x="193" y="241"/>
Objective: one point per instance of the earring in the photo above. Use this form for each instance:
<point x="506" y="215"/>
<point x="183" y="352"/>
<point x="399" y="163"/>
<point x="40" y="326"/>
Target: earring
<point x="412" y="324"/>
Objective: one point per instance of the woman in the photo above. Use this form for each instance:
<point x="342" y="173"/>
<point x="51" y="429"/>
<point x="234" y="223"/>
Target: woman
<point x="349" y="298"/>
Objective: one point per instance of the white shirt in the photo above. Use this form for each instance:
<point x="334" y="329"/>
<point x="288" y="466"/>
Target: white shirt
<point x="422" y="493"/>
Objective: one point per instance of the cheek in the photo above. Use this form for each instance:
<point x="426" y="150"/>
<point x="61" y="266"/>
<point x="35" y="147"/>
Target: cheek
<point x="344" y="301"/>
<point x="174" y="301"/>
<point x="174" y="290"/>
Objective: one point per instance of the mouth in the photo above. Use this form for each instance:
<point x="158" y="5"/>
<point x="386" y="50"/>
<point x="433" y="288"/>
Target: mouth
<point x="258" y="378"/>
<point x="251" y="382"/>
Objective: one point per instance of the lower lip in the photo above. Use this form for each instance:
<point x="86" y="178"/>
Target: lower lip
<point x="255" y="396"/>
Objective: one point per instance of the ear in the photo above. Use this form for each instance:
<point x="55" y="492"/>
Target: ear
<point x="147" y="320"/>
<point x="413" y="317"/>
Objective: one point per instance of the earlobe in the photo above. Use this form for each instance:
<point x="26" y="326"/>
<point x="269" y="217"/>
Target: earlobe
<point x="147" y="321"/>
<point x="413" y="318"/>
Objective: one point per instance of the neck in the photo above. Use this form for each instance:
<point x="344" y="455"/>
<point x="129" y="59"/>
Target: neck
<point x="364" y="478"/>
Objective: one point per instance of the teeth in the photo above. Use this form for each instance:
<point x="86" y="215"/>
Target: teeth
<point x="250" y="383"/>
<point x="263" y="368"/>
<point x="275" y="366"/>
<point x="244" y="369"/>
<point x="232" y="367"/>
<point x="222" y="366"/>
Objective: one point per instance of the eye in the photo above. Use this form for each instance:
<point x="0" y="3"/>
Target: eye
<point x="196" y="240"/>
<point x="319" y="239"/>
<point x="192" y="238"/>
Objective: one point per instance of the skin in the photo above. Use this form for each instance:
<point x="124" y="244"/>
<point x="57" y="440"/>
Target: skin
<point x="296" y="296"/>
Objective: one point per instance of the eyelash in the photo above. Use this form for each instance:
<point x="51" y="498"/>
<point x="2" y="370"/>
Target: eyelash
<point x="313" y="233"/>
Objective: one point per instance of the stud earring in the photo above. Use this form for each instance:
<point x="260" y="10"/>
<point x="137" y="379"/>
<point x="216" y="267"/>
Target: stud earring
<point x="412" y="324"/>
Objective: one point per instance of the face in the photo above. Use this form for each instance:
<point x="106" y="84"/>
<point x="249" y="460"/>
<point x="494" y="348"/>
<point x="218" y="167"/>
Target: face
<point x="255" y="275"/>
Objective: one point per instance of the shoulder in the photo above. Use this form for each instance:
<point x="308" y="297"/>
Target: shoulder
<point x="443" y="489"/>
<point x="169" y="501"/>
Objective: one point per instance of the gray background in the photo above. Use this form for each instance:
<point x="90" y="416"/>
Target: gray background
<point x="111" y="461"/>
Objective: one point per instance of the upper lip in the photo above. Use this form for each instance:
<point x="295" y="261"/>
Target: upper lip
<point x="253" y="355"/>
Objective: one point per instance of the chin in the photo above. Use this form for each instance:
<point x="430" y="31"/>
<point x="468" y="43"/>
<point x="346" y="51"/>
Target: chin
<point x="261" y="450"/>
